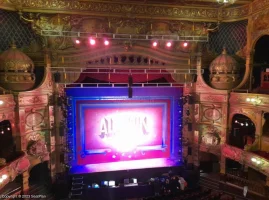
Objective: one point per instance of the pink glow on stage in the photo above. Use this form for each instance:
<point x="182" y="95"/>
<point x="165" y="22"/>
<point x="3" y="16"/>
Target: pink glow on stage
<point x="123" y="165"/>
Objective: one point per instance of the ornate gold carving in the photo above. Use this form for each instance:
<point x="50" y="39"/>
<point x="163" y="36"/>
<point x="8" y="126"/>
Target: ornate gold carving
<point x="214" y="149"/>
<point x="245" y="158"/>
<point x="127" y="9"/>
<point x="261" y="21"/>
<point x="33" y="100"/>
<point x="259" y="5"/>
<point x="235" y="13"/>
<point x="213" y="97"/>
<point x="136" y="11"/>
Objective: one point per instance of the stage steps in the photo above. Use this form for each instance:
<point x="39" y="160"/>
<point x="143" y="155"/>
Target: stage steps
<point x="77" y="187"/>
<point x="209" y="182"/>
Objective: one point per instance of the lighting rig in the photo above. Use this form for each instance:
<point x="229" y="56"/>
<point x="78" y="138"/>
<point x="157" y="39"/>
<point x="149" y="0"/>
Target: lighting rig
<point x="66" y="130"/>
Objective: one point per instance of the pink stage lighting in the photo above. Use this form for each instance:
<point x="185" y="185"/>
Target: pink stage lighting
<point x="92" y="41"/>
<point x="185" y="44"/>
<point x="106" y="42"/>
<point x="77" y="41"/>
<point x="154" y="44"/>
<point x="168" y="44"/>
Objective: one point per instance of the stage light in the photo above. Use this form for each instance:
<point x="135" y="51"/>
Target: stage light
<point x="4" y="176"/>
<point x="168" y="44"/>
<point x="154" y="44"/>
<point x="77" y="41"/>
<point x="92" y="41"/>
<point x="113" y="156"/>
<point x="95" y="185"/>
<point x="111" y="183"/>
<point x="106" y="42"/>
<point x="8" y="128"/>
<point x="1" y="102"/>
<point x="185" y="44"/>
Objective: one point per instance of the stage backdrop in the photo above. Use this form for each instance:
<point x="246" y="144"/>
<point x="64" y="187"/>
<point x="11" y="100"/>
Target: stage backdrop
<point x="109" y="131"/>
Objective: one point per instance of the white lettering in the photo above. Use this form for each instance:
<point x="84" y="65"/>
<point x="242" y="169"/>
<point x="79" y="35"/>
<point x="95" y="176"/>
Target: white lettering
<point x="123" y="124"/>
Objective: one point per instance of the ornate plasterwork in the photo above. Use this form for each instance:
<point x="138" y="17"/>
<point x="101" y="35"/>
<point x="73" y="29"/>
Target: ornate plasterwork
<point x="245" y="158"/>
<point x="55" y="24"/>
<point x="259" y="5"/>
<point x="214" y="149"/>
<point x="118" y="9"/>
<point x="14" y="168"/>
<point x="260" y="25"/>
<point x="211" y="113"/>
<point x="128" y="9"/>
<point x="236" y="98"/>
<point x="213" y="98"/>
<point x="235" y="13"/>
<point x="33" y="100"/>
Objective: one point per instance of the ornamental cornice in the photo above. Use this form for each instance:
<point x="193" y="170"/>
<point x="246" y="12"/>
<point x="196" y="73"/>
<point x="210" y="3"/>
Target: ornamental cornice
<point x="118" y="9"/>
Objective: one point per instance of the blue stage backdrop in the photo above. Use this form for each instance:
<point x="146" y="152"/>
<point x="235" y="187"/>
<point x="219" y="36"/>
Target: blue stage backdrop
<point x="107" y="131"/>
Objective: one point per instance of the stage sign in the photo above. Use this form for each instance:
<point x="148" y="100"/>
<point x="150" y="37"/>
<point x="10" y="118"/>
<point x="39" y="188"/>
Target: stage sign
<point x="111" y="130"/>
<point x="107" y="131"/>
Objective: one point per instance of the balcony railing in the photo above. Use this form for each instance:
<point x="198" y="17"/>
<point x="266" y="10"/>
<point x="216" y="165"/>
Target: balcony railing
<point x="241" y="182"/>
<point x="14" y="168"/>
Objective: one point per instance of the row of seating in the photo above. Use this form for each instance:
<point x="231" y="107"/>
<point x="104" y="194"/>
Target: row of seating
<point x="193" y="194"/>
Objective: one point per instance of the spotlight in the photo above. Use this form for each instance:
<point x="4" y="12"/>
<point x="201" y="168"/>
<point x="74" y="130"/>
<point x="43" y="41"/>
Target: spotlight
<point x="154" y="44"/>
<point x="106" y="42"/>
<point x="185" y="44"/>
<point x="168" y="44"/>
<point x="2" y="132"/>
<point x="1" y="102"/>
<point x="92" y="41"/>
<point x="4" y="176"/>
<point x="77" y="41"/>
<point x="8" y="128"/>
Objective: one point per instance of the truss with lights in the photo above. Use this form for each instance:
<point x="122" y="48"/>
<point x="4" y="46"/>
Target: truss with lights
<point x="63" y="71"/>
<point x="113" y="36"/>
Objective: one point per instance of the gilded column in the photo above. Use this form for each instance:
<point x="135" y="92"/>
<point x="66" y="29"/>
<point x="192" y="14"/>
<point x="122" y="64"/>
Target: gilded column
<point x="21" y="144"/>
<point x="196" y="133"/>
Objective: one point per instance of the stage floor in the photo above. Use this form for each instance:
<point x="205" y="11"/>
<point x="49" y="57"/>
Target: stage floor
<point x="123" y="165"/>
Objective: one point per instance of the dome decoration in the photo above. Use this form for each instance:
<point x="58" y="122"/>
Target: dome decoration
<point x="16" y="70"/>
<point x="224" y="72"/>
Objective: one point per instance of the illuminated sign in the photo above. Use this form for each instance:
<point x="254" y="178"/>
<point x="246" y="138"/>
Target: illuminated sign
<point x="124" y="123"/>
